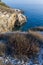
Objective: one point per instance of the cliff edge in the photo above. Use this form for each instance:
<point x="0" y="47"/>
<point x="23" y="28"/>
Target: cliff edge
<point x="10" y="18"/>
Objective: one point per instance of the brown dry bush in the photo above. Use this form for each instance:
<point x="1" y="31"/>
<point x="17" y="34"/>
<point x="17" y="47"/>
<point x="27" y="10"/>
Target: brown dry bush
<point x="22" y="45"/>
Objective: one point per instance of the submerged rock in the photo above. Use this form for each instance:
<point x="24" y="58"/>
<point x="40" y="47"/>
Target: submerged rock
<point x="9" y="18"/>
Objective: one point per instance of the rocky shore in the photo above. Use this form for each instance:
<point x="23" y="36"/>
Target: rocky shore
<point x="19" y="45"/>
<point x="16" y="47"/>
<point x="10" y="18"/>
<point x="37" y="28"/>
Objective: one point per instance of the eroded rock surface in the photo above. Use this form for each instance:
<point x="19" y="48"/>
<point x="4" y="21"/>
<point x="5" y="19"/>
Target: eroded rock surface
<point x="9" y="18"/>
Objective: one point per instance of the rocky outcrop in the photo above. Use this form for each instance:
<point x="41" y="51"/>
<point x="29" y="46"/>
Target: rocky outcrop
<point x="20" y="43"/>
<point x="36" y="34"/>
<point x="19" y="46"/>
<point x="40" y="28"/>
<point x="10" y="18"/>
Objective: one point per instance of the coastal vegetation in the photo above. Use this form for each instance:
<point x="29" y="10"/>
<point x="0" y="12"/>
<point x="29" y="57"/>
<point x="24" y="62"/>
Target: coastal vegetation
<point x="20" y="45"/>
<point x="17" y="44"/>
<point x="3" y="4"/>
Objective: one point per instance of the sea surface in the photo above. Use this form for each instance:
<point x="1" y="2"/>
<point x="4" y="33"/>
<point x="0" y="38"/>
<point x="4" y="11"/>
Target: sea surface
<point x="34" y="13"/>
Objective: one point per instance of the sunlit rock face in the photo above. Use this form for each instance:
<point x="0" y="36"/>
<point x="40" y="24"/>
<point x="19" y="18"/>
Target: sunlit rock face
<point x="10" y="18"/>
<point x="21" y="18"/>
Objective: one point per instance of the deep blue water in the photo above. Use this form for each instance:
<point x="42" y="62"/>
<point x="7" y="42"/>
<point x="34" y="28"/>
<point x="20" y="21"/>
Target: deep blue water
<point x="35" y="19"/>
<point x="34" y="13"/>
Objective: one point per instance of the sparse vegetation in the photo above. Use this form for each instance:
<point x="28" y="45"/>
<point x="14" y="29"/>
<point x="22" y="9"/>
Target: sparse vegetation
<point x="18" y="44"/>
<point x="21" y="44"/>
<point x="3" y="4"/>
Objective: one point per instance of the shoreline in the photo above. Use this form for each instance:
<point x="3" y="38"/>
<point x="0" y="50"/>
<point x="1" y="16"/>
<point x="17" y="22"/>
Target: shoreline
<point x="11" y="18"/>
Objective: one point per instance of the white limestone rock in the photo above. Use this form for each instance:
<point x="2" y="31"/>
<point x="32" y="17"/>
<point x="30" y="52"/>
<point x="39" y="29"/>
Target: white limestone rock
<point x="9" y="18"/>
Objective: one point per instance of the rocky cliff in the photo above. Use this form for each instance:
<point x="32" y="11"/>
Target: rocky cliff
<point x="10" y="18"/>
<point x="17" y="47"/>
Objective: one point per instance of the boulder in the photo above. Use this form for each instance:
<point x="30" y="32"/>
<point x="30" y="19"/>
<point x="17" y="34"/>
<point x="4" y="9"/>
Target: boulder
<point x="21" y="18"/>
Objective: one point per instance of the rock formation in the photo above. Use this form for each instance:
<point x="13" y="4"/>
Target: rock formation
<point x="16" y="44"/>
<point x="9" y="18"/>
<point x="40" y="28"/>
<point x="20" y="43"/>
